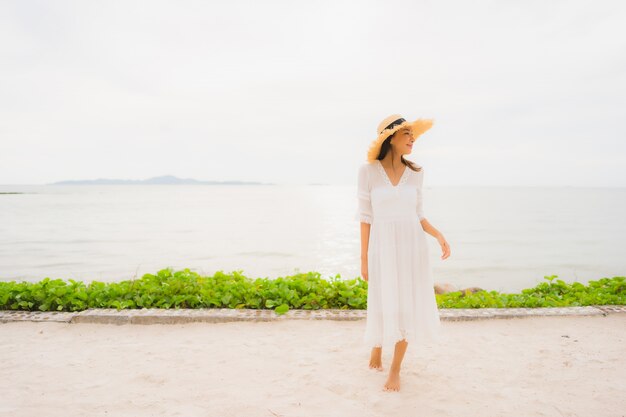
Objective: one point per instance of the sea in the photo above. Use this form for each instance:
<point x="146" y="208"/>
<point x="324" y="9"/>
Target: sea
<point x="501" y="238"/>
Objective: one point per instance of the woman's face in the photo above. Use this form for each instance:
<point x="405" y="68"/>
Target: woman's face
<point x="402" y="141"/>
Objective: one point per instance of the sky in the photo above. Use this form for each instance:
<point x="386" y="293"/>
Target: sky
<point x="522" y="93"/>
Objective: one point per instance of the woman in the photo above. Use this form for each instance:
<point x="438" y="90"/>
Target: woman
<point x="401" y="304"/>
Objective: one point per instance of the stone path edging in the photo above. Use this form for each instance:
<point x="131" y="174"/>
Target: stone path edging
<point x="212" y="315"/>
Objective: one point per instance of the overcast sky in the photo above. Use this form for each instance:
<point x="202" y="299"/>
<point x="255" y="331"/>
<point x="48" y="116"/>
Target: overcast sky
<point x="522" y="92"/>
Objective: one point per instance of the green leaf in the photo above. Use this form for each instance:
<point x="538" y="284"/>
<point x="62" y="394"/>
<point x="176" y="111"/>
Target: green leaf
<point x="282" y="309"/>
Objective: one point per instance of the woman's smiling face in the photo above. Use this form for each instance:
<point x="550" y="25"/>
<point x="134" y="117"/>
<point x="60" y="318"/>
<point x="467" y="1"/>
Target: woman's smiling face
<point x="402" y="141"/>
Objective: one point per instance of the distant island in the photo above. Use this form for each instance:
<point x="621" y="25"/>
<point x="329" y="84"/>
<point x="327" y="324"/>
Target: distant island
<point x="163" y="180"/>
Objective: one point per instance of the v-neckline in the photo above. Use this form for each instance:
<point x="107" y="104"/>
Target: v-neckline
<point x="380" y="164"/>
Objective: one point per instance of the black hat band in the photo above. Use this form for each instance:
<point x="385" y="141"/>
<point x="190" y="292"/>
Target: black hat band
<point x="394" y="123"/>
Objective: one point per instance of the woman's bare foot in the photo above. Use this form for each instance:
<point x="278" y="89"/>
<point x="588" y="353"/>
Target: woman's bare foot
<point x="393" y="382"/>
<point x="376" y="359"/>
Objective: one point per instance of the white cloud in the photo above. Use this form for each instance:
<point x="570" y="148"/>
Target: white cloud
<point x="248" y="90"/>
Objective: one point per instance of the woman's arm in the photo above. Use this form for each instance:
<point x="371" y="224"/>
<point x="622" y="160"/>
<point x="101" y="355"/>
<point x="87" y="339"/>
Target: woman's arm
<point x="431" y="230"/>
<point x="365" y="240"/>
<point x="364" y="214"/>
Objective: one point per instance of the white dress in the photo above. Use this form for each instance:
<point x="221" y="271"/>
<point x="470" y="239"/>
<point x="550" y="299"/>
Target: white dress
<point x="401" y="300"/>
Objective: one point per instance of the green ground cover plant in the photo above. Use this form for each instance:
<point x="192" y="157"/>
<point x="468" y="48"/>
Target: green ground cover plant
<point x="309" y="291"/>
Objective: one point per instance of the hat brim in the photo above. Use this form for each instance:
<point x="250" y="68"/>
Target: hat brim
<point x="418" y="127"/>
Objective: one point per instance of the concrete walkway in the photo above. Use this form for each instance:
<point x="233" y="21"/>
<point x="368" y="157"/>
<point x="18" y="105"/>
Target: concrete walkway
<point x="212" y="315"/>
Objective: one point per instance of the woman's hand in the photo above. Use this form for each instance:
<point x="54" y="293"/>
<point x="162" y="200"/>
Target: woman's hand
<point x="445" y="248"/>
<point x="364" y="271"/>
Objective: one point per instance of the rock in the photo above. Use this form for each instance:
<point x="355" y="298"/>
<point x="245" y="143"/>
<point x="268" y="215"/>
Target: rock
<point x="444" y="288"/>
<point x="447" y="287"/>
<point x="471" y="290"/>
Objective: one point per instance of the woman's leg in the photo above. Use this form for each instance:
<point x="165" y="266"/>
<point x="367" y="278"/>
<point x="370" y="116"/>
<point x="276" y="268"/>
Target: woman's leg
<point x="393" y="382"/>
<point x="376" y="358"/>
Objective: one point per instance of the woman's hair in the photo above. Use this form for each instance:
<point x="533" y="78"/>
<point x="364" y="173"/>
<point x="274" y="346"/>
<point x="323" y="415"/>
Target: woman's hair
<point x="386" y="147"/>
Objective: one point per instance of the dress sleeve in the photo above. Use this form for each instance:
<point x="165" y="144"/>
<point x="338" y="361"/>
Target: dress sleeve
<point x="420" y="206"/>
<point x="364" y="209"/>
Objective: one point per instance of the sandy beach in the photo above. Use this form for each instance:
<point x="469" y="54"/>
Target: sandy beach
<point x="534" y="366"/>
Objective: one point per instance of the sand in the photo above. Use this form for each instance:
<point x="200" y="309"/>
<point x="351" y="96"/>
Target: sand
<point x="533" y="366"/>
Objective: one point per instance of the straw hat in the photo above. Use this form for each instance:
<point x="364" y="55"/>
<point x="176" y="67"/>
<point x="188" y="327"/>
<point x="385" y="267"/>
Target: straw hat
<point x="391" y="125"/>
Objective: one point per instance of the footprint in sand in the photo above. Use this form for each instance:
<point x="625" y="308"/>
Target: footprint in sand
<point x="337" y="389"/>
<point x="309" y="376"/>
<point x="154" y="379"/>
